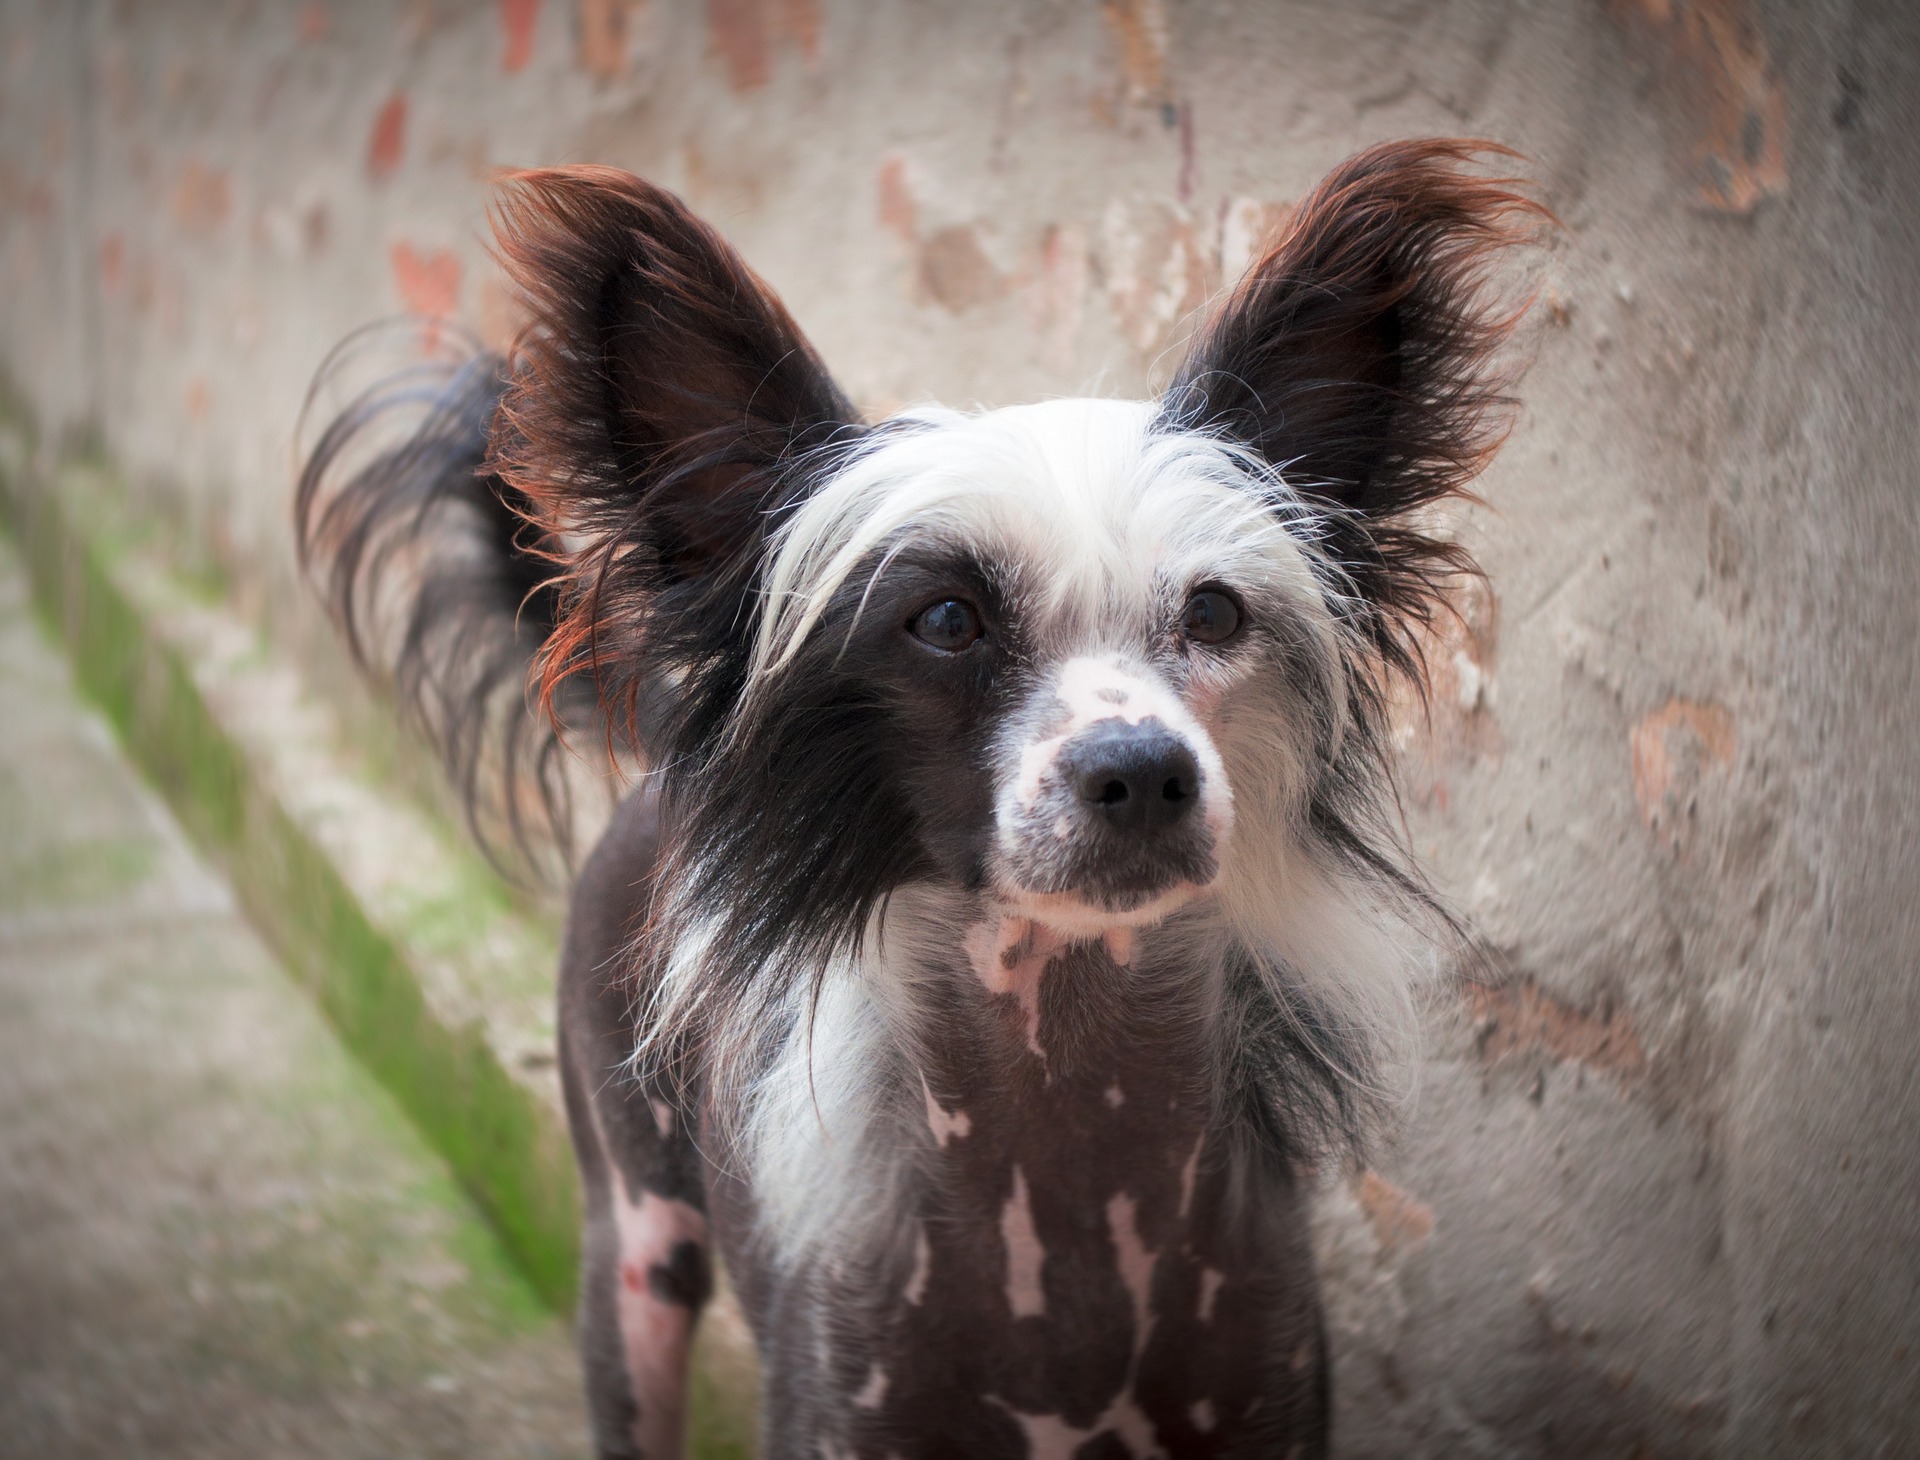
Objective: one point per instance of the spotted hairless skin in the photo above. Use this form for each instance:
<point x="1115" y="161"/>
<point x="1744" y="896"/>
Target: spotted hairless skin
<point x="1013" y="921"/>
<point x="1074" y="1284"/>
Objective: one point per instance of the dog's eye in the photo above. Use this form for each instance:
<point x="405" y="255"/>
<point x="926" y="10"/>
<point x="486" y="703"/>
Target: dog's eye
<point x="1211" y="617"/>
<point x="949" y="625"/>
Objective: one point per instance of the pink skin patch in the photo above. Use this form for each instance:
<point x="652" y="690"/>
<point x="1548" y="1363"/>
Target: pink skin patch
<point x="874" y="1392"/>
<point x="922" y="1265"/>
<point x="944" y="1127"/>
<point x="1025" y="1256"/>
<point x="1136" y="1264"/>
<point x="1188" y="1174"/>
<point x="1010" y="954"/>
<point x="1050" y="1436"/>
<point x="655" y="1334"/>
<point x="1211" y="1281"/>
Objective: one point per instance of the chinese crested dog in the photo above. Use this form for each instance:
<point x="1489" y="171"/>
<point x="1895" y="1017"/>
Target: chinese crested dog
<point x="1012" y="913"/>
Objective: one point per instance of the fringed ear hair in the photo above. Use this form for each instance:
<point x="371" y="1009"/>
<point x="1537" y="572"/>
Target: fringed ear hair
<point x="664" y="408"/>
<point x="1354" y="357"/>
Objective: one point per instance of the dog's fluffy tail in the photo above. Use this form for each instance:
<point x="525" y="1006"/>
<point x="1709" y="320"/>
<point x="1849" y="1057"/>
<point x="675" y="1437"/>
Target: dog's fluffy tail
<point x="436" y="580"/>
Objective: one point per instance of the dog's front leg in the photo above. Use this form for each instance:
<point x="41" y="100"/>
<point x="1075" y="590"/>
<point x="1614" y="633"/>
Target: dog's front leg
<point x="645" y="1266"/>
<point x="645" y="1270"/>
<point x="644" y="1275"/>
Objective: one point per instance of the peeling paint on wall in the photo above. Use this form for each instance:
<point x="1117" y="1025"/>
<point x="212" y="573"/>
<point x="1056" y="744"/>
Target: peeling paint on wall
<point x="501" y="313"/>
<point x="313" y="21"/>
<point x="1520" y="1018"/>
<point x="1453" y="722"/>
<point x="113" y="263"/>
<point x="1139" y="30"/>
<point x="1158" y="270"/>
<point x="955" y="271"/>
<point x="427" y="283"/>
<point x="1247" y="227"/>
<point x="612" y="34"/>
<point x="518" y="20"/>
<point x="1671" y="750"/>
<point x="743" y="33"/>
<point x="898" y="212"/>
<point x="387" y="142"/>
<point x="1400" y="1222"/>
<point x="1728" y="112"/>
<point x="202" y="197"/>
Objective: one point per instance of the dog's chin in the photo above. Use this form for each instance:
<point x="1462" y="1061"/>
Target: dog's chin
<point x="1077" y="917"/>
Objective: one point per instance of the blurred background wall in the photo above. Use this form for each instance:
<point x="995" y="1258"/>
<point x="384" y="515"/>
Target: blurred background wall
<point x="1656" y="1194"/>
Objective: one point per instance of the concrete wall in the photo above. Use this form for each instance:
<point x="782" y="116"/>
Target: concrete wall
<point x="1657" y="1192"/>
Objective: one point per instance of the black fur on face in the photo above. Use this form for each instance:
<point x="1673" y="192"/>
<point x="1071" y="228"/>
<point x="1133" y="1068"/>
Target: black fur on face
<point x="862" y="764"/>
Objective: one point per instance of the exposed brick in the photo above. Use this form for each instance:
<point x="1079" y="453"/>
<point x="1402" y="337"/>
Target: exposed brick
<point x="899" y="214"/>
<point x="314" y="21"/>
<point x="737" y="33"/>
<point x="518" y="19"/>
<point x="202" y="197"/>
<point x="428" y="283"/>
<point x="955" y="271"/>
<point x="1727" y="110"/>
<point x="387" y="143"/>
<point x="1519" y="1018"/>
<point x="1671" y="750"/>
<point x="1139" y="29"/>
<point x="1398" y="1219"/>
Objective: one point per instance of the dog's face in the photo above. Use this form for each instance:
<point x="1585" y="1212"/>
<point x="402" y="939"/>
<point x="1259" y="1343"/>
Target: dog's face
<point x="1083" y="635"/>
<point x="1087" y="660"/>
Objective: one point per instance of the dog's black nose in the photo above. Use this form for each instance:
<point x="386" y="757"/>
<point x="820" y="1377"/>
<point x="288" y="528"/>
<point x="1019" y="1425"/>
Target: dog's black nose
<point x="1142" y="778"/>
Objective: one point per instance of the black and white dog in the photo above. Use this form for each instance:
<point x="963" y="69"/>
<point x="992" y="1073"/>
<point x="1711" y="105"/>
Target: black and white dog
<point x="1013" y="912"/>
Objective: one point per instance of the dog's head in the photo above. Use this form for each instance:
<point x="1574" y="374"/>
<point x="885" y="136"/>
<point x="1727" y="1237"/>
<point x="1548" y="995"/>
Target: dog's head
<point x="1087" y="659"/>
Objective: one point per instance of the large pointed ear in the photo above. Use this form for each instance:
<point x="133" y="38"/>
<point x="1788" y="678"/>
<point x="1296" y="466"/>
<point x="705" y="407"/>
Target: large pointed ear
<point x="1355" y="357"/>
<point x="664" y="410"/>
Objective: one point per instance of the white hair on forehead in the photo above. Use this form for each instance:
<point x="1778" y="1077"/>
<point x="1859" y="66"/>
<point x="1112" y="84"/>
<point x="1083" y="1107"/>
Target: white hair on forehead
<point x="1084" y="488"/>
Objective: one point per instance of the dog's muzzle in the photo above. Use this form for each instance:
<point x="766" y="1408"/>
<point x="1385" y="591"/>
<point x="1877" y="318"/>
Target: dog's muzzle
<point x="1115" y="819"/>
